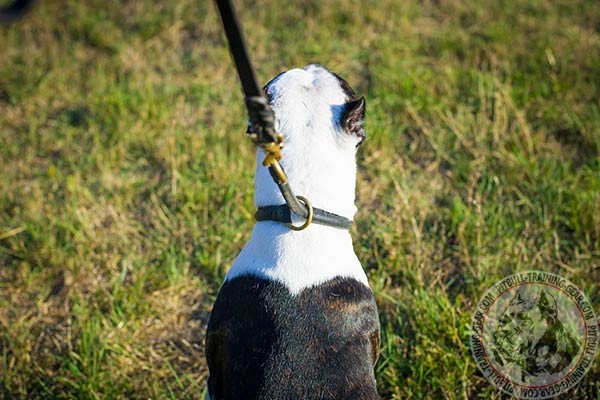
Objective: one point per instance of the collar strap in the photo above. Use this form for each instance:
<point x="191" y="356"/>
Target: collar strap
<point x="298" y="205"/>
<point x="283" y="214"/>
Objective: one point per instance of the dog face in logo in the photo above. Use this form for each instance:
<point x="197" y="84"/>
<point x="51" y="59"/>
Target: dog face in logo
<point x="530" y="340"/>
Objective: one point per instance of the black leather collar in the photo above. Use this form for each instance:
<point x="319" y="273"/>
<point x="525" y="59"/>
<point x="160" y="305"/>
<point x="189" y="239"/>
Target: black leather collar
<point x="283" y="214"/>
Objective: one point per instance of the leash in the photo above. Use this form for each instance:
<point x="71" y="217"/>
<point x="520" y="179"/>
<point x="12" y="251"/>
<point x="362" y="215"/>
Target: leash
<point x="263" y="134"/>
<point x="14" y="10"/>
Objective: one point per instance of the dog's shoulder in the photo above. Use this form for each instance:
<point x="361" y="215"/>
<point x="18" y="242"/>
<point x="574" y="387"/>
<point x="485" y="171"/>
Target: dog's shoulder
<point x="284" y="345"/>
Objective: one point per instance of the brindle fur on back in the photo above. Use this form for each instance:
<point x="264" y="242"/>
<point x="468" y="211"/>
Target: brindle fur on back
<point x="264" y="343"/>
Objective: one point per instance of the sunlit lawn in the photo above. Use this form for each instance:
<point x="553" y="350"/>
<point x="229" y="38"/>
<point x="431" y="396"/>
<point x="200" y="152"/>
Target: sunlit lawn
<point x="126" y="179"/>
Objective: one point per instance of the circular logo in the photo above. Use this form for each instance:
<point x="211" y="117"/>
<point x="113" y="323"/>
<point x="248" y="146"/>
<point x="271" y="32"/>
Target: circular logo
<point x="534" y="335"/>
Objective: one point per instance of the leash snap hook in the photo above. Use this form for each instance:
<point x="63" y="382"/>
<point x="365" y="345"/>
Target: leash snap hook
<point x="309" y="217"/>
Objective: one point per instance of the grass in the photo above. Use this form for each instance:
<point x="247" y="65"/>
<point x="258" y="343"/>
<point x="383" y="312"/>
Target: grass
<point x="126" y="184"/>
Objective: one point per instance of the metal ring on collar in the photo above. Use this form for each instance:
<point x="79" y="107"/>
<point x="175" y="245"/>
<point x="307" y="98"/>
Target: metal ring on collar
<point x="309" y="217"/>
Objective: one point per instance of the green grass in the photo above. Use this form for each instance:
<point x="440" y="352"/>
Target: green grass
<point x="126" y="180"/>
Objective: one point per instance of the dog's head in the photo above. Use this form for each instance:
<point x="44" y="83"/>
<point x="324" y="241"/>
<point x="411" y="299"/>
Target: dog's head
<point x="321" y="120"/>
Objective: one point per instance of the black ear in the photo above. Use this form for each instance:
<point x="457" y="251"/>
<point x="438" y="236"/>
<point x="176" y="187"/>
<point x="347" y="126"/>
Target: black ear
<point x="353" y="117"/>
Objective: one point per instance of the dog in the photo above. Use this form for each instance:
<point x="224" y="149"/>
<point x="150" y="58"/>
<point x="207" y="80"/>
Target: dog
<point x="530" y="340"/>
<point x="295" y="317"/>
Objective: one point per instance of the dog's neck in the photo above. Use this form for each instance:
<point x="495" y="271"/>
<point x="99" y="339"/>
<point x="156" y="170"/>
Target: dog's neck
<point x="319" y="253"/>
<point x="298" y="259"/>
<point x="319" y="160"/>
<point x="317" y="171"/>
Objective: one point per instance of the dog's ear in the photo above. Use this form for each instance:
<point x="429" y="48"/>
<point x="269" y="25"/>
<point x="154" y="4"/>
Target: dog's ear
<point x="353" y="117"/>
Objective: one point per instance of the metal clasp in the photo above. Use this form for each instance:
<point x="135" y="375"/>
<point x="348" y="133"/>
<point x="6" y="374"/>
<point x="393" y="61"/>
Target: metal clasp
<point x="272" y="158"/>
<point x="309" y="217"/>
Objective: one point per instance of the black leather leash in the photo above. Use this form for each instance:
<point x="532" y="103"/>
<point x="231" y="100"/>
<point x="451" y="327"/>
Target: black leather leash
<point x="14" y="10"/>
<point x="264" y="136"/>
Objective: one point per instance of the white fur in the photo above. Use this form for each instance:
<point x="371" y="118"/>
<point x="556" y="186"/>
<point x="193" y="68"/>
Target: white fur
<point x="319" y="160"/>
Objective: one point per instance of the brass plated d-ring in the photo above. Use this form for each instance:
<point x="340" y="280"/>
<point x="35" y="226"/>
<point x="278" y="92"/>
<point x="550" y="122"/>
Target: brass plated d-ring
<point x="309" y="217"/>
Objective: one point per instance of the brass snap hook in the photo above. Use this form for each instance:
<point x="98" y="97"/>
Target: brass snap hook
<point x="309" y="217"/>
